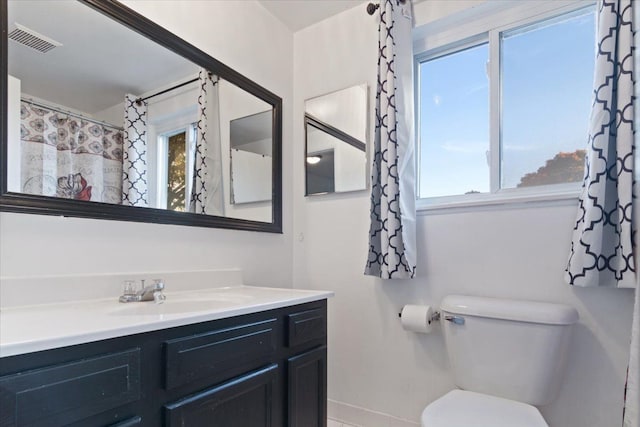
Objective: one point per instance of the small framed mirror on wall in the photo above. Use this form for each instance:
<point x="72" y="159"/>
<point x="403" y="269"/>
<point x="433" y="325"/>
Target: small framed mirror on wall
<point x="336" y="141"/>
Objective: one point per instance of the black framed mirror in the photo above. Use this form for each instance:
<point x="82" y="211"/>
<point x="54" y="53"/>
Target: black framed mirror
<point x="107" y="115"/>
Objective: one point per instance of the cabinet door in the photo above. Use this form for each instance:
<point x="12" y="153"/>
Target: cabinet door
<point x="64" y="394"/>
<point x="250" y="400"/>
<point x="308" y="389"/>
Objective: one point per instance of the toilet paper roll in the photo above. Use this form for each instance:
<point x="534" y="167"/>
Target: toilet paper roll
<point x="416" y="318"/>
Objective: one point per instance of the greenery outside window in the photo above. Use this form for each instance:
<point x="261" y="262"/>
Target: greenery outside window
<point x="175" y="154"/>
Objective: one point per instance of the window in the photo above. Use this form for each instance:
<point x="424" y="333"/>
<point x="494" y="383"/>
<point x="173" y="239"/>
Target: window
<point x="175" y="166"/>
<point x="505" y="113"/>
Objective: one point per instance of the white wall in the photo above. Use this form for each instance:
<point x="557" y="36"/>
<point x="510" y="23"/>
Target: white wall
<point x="517" y="252"/>
<point x="244" y="36"/>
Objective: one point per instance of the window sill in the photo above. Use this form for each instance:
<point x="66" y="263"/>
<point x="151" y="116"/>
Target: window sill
<point x="503" y="200"/>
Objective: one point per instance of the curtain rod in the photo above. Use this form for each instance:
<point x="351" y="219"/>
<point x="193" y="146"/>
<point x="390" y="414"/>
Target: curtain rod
<point x="139" y="100"/>
<point x="371" y="8"/>
<point x="69" y="113"/>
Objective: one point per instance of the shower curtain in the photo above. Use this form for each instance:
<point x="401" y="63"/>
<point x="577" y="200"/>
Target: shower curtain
<point x="392" y="237"/>
<point x="207" y="196"/>
<point x="68" y="157"/>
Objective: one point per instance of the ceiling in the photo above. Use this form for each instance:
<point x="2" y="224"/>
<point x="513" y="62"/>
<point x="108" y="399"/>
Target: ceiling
<point x="99" y="60"/>
<point x="299" y="14"/>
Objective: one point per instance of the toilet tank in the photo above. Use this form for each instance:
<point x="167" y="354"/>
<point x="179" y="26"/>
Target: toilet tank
<point x="507" y="348"/>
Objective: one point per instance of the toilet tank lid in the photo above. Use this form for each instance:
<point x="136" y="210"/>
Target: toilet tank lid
<point x="517" y="310"/>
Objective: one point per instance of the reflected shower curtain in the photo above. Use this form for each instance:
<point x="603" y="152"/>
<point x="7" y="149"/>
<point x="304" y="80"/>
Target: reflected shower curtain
<point x="134" y="162"/>
<point x="392" y="237"/>
<point x="207" y="196"/>
<point x="68" y="157"/>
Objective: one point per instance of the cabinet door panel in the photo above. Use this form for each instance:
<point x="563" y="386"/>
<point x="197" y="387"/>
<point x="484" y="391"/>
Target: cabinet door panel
<point x="247" y="401"/>
<point x="220" y="354"/>
<point x="308" y="389"/>
<point x="306" y="326"/>
<point x="63" y="394"/>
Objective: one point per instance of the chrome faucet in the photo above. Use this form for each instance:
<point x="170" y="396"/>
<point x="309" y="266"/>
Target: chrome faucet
<point x="151" y="292"/>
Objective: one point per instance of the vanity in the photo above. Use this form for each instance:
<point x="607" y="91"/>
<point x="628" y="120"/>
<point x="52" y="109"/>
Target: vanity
<point x="232" y="356"/>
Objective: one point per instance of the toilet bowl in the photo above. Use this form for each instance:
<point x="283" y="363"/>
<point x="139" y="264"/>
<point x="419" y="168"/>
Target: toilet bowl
<point x="507" y="357"/>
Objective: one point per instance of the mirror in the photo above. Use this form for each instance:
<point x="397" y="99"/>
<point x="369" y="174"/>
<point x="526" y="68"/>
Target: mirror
<point x="251" y="158"/>
<point x="130" y="122"/>
<point x="335" y="140"/>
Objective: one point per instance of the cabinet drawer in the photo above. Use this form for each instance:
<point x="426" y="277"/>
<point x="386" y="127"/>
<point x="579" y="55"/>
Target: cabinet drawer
<point x="219" y="355"/>
<point x="248" y="401"/>
<point x="63" y="394"/>
<point x="306" y="326"/>
<point x="131" y="422"/>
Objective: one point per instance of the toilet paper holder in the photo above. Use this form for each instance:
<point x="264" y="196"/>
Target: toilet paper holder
<point x="458" y="320"/>
<point x="435" y="317"/>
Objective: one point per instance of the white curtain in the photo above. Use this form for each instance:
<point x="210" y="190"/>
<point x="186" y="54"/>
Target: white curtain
<point x="134" y="173"/>
<point x="602" y="252"/>
<point x="207" y="196"/>
<point x="69" y="157"/>
<point x="392" y="236"/>
<point x="603" y="248"/>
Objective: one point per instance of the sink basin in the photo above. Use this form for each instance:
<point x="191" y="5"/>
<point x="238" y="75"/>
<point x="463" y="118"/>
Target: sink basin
<point x="169" y="307"/>
<point x="187" y="302"/>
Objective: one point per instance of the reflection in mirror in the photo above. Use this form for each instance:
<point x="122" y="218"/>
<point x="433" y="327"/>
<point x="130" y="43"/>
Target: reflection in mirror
<point x="114" y="117"/>
<point x="251" y="158"/>
<point x="335" y="135"/>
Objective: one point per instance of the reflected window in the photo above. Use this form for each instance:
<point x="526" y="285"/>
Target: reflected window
<point x="175" y="151"/>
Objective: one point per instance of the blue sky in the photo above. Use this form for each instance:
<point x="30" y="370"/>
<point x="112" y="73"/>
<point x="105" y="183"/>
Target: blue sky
<point x="546" y="98"/>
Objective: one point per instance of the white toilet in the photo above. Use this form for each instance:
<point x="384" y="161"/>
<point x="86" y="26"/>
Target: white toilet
<point x="506" y="356"/>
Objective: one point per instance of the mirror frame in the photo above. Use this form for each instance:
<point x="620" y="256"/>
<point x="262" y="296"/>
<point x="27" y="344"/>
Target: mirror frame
<point x="45" y="205"/>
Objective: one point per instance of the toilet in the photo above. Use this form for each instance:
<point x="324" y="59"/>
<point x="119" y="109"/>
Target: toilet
<point x="507" y="357"/>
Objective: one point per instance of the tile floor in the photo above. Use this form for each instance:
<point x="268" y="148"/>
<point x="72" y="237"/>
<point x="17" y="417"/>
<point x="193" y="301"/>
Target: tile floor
<point x="334" y="423"/>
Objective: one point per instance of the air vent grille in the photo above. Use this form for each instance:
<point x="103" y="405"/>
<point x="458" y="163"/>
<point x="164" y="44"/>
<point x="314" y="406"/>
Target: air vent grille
<point x="30" y="38"/>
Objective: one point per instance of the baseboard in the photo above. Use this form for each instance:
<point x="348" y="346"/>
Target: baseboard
<point x="361" y="417"/>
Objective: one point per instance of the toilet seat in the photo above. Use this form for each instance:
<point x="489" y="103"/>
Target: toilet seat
<point x="460" y="408"/>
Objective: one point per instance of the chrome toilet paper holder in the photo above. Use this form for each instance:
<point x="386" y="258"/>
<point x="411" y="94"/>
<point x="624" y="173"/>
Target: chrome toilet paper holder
<point x="435" y="317"/>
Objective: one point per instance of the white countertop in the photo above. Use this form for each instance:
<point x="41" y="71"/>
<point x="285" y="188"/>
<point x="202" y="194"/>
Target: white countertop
<point x="33" y="328"/>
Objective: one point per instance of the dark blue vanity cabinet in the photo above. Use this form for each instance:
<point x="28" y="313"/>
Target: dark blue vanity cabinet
<point x="266" y="369"/>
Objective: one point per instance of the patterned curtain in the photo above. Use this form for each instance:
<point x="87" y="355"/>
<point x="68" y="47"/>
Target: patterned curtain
<point x="602" y="250"/>
<point x="66" y="156"/>
<point x="134" y="174"/>
<point x="392" y="237"/>
<point x="207" y="196"/>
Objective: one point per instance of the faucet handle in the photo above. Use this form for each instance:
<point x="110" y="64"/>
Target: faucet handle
<point x="129" y="287"/>
<point x="158" y="283"/>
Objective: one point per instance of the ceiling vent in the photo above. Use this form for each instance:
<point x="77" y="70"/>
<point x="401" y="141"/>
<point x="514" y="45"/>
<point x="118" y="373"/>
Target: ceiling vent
<point x="28" y="37"/>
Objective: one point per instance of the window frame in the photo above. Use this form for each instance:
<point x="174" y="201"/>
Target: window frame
<point x="479" y="25"/>
<point x="162" y="176"/>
